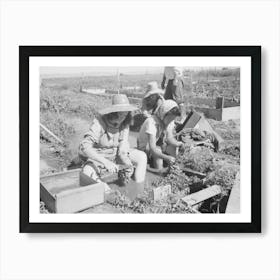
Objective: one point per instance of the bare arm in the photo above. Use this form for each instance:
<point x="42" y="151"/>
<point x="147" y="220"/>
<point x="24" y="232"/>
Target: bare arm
<point x="170" y="136"/>
<point x="156" y="151"/>
<point x="91" y="153"/>
<point x="124" y="148"/>
<point x="124" y="143"/>
<point x="171" y="140"/>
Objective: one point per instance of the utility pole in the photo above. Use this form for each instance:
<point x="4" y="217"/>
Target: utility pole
<point x="118" y="79"/>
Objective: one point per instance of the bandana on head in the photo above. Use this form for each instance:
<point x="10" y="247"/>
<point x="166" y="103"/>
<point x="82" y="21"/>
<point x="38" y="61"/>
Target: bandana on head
<point x="166" y="106"/>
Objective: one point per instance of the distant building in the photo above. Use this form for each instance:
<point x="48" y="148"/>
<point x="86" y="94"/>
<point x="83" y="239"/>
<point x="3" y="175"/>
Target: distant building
<point x="132" y="88"/>
<point x="95" y="90"/>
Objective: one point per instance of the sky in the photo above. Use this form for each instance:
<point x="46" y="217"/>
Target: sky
<point x="96" y="71"/>
<point x="57" y="71"/>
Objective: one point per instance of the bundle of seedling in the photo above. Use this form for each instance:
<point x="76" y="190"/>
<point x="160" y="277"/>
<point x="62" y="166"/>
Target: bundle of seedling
<point x="145" y="204"/>
<point x="199" y="166"/>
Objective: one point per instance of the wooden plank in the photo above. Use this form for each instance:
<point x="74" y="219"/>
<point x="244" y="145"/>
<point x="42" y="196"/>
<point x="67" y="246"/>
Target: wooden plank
<point x="71" y="173"/>
<point x="181" y="126"/>
<point x="191" y="172"/>
<point x="202" y="195"/>
<point x="62" y="192"/>
<point x="63" y="180"/>
<point x="75" y="200"/>
<point x="231" y="113"/>
<point x="233" y="205"/>
<point x="220" y="101"/>
<point x="190" y="122"/>
<point x="204" y="125"/>
<point x="211" y="113"/>
<point x="161" y="192"/>
<point x="86" y="180"/>
<point x="52" y="134"/>
<point x="48" y="199"/>
<point x="194" y="119"/>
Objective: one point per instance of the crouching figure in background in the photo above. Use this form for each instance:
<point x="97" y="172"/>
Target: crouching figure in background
<point x="152" y="100"/>
<point x="106" y="145"/>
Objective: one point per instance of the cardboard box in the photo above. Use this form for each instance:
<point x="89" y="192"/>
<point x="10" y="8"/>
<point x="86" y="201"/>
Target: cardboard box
<point x="70" y="191"/>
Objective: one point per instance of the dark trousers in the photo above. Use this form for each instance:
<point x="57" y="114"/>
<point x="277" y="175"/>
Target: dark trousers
<point x="170" y="90"/>
<point x="174" y="90"/>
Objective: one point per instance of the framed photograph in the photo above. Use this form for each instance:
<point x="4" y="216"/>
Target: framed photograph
<point x="118" y="139"/>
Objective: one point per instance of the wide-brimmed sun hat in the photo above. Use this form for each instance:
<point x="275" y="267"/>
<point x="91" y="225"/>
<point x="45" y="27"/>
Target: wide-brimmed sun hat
<point x="120" y="103"/>
<point x="152" y="88"/>
<point x="166" y="106"/>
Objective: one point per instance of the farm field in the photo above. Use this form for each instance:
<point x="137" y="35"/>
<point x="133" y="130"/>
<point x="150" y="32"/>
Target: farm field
<point x="68" y="112"/>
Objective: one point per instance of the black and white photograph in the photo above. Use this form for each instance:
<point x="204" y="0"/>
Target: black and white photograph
<point x="140" y="139"/>
<point x="126" y="137"/>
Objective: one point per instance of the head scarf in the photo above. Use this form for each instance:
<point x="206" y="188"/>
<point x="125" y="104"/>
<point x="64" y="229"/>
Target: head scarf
<point x="166" y="106"/>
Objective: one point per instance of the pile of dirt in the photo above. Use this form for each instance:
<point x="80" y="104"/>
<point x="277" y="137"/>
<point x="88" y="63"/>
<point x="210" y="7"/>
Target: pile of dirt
<point x="223" y="87"/>
<point x="71" y="102"/>
<point x="231" y="148"/>
<point x="228" y="130"/>
<point x="199" y="159"/>
<point x="224" y="176"/>
<point x="176" y="178"/>
<point x="58" y="124"/>
<point x="43" y="209"/>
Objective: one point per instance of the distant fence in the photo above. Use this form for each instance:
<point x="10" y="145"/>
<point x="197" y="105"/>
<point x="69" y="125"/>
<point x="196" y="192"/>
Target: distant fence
<point x="211" y="102"/>
<point x="222" y="111"/>
<point x="128" y="93"/>
<point x="132" y="98"/>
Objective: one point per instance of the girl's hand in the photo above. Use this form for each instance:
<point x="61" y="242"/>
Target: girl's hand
<point x="181" y="146"/>
<point x="181" y="143"/>
<point x="110" y="166"/>
<point x="171" y="160"/>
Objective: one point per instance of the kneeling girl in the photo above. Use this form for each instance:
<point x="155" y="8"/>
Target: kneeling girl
<point x="153" y="128"/>
<point x="106" y="142"/>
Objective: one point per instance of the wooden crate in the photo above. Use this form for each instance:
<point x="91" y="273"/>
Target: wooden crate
<point x="70" y="191"/>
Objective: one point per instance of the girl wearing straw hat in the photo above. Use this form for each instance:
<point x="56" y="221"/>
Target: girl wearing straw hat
<point x="152" y="100"/>
<point x="106" y="145"/>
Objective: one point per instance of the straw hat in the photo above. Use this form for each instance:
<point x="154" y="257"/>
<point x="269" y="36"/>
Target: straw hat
<point x="153" y="88"/>
<point x="120" y="103"/>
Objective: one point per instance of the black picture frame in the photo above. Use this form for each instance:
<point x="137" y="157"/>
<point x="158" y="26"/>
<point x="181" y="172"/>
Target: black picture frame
<point x="25" y="52"/>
